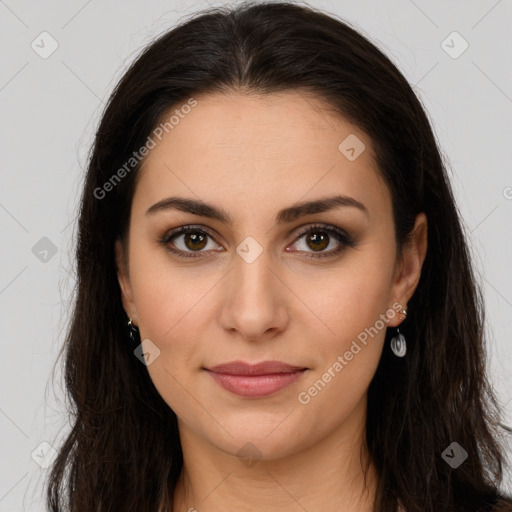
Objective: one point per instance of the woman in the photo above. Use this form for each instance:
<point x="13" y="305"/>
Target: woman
<point x="276" y="307"/>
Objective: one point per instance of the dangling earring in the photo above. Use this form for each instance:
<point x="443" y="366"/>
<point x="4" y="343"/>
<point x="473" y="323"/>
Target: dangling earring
<point x="398" y="344"/>
<point x="134" y="331"/>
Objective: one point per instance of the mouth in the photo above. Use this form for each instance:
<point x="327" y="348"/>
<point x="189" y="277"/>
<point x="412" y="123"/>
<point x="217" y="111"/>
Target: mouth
<point x="255" y="380"/>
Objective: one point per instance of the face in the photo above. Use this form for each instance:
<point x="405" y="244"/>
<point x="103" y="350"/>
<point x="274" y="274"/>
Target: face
<point x="312" y="287"/>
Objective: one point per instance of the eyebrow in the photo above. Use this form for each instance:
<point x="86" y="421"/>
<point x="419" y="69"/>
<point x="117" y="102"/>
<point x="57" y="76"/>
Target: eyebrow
<point x="289" y="214"/>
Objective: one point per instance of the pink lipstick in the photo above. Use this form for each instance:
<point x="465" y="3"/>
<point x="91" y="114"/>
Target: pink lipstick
<point x="255" y="380"/>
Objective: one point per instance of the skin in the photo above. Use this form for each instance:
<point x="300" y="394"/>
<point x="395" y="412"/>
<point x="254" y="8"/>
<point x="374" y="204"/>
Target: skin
<point x="253" y="155"/>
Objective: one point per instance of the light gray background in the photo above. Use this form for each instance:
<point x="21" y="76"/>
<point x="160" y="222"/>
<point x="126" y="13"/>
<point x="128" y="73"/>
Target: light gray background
<point x="50" y="108"/>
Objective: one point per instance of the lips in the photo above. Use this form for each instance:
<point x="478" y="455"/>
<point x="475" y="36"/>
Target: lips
<point x="264" y="368"/>
<point x="255" y="380"/>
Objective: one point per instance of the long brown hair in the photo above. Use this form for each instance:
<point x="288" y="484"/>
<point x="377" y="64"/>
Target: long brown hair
<point x="123" y="451"/>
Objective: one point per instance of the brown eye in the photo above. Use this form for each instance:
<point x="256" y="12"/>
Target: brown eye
<point x="187" y="240"/>
<point x="318" y="238"/>
<point x="194" y="241"/>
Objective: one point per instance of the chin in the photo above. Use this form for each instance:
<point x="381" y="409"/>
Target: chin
<point x="260" y="441"/>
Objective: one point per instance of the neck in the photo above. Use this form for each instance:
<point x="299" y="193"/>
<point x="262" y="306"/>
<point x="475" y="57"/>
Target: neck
<point x="328" y="475"/>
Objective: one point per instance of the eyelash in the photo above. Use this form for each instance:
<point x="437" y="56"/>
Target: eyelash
<point x="342" y="237"/>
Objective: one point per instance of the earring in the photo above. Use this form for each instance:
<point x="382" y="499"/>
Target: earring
<point x="133" y="330"/>
<point x="398" y="343"/>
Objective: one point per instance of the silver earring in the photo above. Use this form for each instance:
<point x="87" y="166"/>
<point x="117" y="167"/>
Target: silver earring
<point x="133" y="330"/>
<point x="398" y="343"/>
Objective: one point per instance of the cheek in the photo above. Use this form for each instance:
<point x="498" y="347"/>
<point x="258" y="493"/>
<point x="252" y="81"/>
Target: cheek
<point x="168" y="297"/>
<point x="353" y="307"/>
<point x="173" y="304"/>
<point x="349" y="355"/>
<point x="350" y="300"/>
<point x="169" y="311"/>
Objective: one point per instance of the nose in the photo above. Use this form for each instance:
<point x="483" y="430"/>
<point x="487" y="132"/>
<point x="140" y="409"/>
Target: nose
<point x="256" y="300"/>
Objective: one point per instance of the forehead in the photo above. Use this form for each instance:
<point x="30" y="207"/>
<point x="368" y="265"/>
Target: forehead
<point x="258" y="151"/>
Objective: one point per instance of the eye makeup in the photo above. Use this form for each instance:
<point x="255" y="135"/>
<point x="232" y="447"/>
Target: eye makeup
<point x="197" y="233"/>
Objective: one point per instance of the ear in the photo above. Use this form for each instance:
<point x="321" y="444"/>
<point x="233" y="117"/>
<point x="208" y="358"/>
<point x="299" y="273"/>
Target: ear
<point x="408" y="269"/>
<point x="123" y="277"/>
